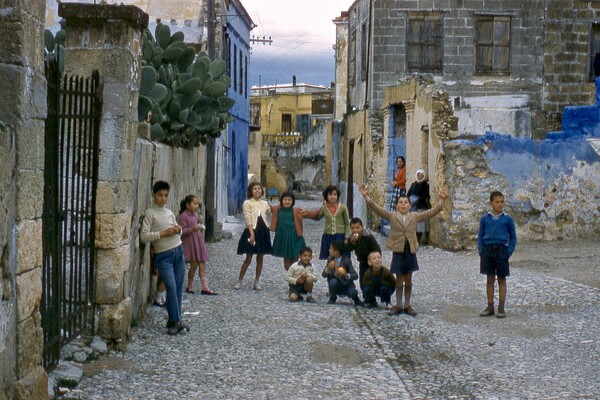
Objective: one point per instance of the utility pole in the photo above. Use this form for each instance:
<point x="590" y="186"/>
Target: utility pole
<point x="210" y="192"/>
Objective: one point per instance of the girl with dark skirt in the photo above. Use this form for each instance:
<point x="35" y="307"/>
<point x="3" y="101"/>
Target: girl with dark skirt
<point x="256" y="238"/>
<point x="403" y="243"/>
<point x="337" y="220"/>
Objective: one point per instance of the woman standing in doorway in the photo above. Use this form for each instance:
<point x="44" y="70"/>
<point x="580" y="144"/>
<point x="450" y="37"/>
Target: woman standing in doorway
<point x="399" y="182"/>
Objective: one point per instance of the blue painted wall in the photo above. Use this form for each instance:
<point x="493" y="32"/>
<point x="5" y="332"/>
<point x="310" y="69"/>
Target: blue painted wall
<point x="551" y="186"/>
<point x="238" y="30"/>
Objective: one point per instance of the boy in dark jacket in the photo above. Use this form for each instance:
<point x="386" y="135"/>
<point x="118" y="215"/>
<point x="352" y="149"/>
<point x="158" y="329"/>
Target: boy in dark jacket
<point x="377" y="282"/>
<point x="340" y="275"/>
<point x="363" y="244"/>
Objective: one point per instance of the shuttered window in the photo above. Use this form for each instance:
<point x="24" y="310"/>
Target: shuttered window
<point x="492" y="44"/>
<point x="286" y="123"/>
<point x="352" y="59"/>
<point x="424" y="42"/>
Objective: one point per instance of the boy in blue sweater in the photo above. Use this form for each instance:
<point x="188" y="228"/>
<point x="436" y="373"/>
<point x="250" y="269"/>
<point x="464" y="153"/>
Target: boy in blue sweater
<point x="496" y="242"/>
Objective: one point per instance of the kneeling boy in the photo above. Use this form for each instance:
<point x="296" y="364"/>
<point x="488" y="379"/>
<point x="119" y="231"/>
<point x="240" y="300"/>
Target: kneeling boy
<point x="377" y="281"/>
<point x="340" y="275"/>
<point x="301" y="277"/>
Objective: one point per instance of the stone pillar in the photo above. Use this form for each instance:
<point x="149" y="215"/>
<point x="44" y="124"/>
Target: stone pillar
<point x="108" y="38"/>
<point x="22" y="115"/>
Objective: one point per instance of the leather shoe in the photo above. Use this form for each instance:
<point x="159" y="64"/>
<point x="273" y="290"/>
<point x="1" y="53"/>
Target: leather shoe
<point x="395" y="310"/>
<point x="410" y="311"/>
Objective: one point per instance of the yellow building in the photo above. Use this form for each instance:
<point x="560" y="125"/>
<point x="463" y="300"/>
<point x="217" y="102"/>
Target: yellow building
<point x="285" y="114"/>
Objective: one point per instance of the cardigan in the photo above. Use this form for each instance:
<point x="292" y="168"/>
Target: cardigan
<point x="296" y="269"/>
<point x="334" y="223"/>
<point x="297" y="220"/>
<point x="157" y="219"/>
<point x="401" y="231"/>
<point x="400" y="178"/>
<point x="252" y="209"/>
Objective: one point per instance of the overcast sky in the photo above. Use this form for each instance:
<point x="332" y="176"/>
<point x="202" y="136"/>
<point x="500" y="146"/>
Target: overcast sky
<point x="303" y="36"/>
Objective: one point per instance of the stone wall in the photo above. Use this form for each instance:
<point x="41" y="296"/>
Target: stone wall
<point x="305" y="162"/>
<point x="22" y="115"/>
<point x="551" y="187"/>
<point x="567" y="59"/>
<point x="108" y="38"/>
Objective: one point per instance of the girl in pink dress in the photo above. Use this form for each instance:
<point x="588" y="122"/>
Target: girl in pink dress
<point x="194" y="249"/>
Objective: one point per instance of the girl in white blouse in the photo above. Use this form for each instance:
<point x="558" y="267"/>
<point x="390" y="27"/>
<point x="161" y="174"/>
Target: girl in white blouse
<point x="256" y="238"/>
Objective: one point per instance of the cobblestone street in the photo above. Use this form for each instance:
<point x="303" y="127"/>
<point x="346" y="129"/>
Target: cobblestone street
<point x="246" y="344"/>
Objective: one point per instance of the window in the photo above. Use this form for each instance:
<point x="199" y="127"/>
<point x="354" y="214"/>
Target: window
<point x="424" y="42"/>
<point x="228" y="55"/>
<point x="286" y="123"/>
<point x="234" y="71"/>
<point x="363" y="52"/>
<point x="303" y="124"/>
<point x="246" y="77"/>
<point x="595" y="52"/>
<point x="399" y="121"/>
<point x="492" y="44"/>
<point x="352" y="59"/>
<point x="240" y="88"/>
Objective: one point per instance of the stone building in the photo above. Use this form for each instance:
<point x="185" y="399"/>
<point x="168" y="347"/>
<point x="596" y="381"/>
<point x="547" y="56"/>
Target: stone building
<point x="493" y="61"/>
<point x="290" y="117"/>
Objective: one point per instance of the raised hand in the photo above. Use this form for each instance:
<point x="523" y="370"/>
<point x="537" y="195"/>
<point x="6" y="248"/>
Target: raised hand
<point x="364" y="190"/>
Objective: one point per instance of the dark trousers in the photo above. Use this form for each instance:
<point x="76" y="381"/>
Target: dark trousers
<point x="383" y="291"/>
<point x="338" y="288"/>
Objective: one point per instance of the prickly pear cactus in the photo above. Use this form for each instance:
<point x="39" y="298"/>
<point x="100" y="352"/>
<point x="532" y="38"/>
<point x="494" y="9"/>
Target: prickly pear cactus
<point x="54" y="47"/>
<point x="182" y="94"/>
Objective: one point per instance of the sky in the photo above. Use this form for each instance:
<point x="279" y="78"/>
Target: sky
<point x="303" y="36"/>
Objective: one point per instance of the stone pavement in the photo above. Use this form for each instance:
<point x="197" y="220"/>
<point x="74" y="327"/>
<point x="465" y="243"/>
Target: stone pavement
<point x="256" y="345"/>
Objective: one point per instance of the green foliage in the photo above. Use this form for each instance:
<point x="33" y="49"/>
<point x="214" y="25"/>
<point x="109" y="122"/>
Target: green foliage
<point x="54" y="47"/>
<point x="182" y="94"/>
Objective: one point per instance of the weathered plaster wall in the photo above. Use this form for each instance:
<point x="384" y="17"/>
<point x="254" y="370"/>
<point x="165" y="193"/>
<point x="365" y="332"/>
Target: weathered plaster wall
<point x="22" y="114"/>
<point x="305" y="162"/>
<point x="552" y="187"/>
<point x="185" y="170"/>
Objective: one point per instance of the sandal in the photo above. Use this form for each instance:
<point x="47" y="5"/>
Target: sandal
<point x="190" y="291"/>
<point x="209" y="292"/>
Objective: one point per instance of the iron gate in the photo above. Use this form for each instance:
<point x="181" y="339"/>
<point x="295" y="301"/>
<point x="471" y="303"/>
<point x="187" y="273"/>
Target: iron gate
<point x="70" y="181"/>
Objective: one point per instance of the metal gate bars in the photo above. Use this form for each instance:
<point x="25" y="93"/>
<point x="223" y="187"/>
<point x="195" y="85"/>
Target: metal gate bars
<point x="70" y="181"/>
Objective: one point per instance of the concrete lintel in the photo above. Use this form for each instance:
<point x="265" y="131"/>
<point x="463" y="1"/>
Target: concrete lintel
<point x="79" y="13"/>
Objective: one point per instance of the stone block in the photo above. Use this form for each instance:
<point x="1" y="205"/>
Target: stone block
<point x="127" y="165"/>
<point x="106" y="197"/>
<point x="115" y="97"/>
<point x="111" y="131"/>
<point x="29" y="245"/>
<point x="118" y="65"/>
<point x="30" y="340"/>
<point x="112" y="230"/>
<point x="29" y="137"/>
<point x="30" y="193"/>
<point x="109" y="165"/>
<point x="29" y="293"/>
<point x="32" y="386"/>
<point x="110" y="268"/>
<point x="115" y="321"/>
<point x="83" y="61"/>
<point x="12" y="80"/>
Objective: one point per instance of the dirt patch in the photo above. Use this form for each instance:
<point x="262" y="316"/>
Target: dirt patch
<point x="326" y="353"/>
<point x="106" y="363"/>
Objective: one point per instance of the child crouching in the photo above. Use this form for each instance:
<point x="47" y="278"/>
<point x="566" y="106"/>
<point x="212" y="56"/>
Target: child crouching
<point x="340" y="275"/>
<point x="302" y="276"/>
<point x="377" y="282"/>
